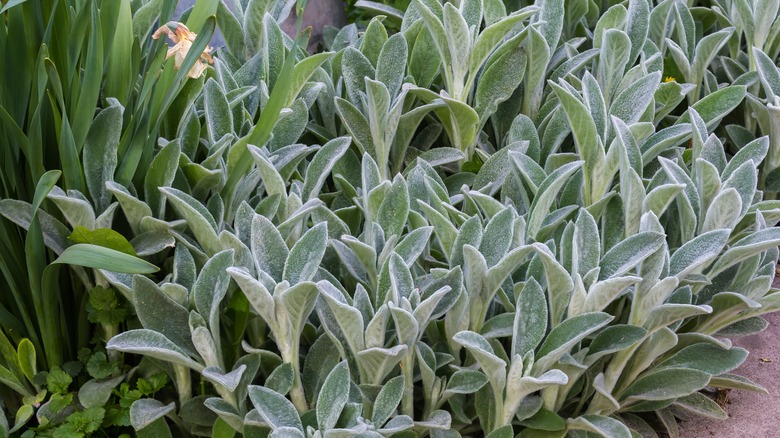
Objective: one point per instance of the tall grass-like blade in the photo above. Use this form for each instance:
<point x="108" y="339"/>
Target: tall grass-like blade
<point x="99" y="257"/>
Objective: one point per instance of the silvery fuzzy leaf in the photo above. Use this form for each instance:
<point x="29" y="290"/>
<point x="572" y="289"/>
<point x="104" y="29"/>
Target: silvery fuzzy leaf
<point x="306" y="255"/>
<point x="146" y="411"/>
<point x="203" y="341"/>
<point x="355" y="67"/>
<point x="229" y="380"/>
<point x="530" y="323"/>
<point x="669" y="95"/>
<point x="744" y="179"/>
<point x="465" y="382"/>
<point x="413" y="244"/>
<point x="281" y="379"/>
<point x="199" y="220"/>
<point x="474" y="274"/>
<point x="706" y="357"/>
<point x="381" y="361"/>
<point x="502" y="75"/>
<point x="152" y="242"/>
<point x="225" y="411"/>
<point x="459" y="120"/>
<point x="768" y="72"/>
<point x="664" y="139"/>
<point x="156" y="311"/>
<point x="573" y="64"/>
<point x="272" y="180"/>
<point x="361" y="430"/>
<point x="373" y="39"/>
<point x="321" y="358"/>
<point x="55" y="234"/>
<point x="100" y="154"/>
<point x="497" y="237"/>
<point x="518" y="386"/>
<point x="706" y="50"/>
<point x="604" y="426"/>
<point x="492" y="365"/>
<point x="294" y="304"/>
<point x="424" y="312"/>
<point x="754" y="151"/>
<point x="406" y="326"/>
<point x="357" y="125"/>
<point x="659" y="198"/>
<point x="699" y="404"/>
<point x="627" y="254"/>
<point x="275" y="410"/>
<point x="532" y="173"/>
<point x="696" y="254"/>
<point x="321" y="165"/>
<point x="666" y="384"/>
<point x="76" y="210"/>
<point x="548" y="192"/>
<point x="94" y="393"/>
<point x="333" y="397"/>
<point x="211" y="287"/>
<point x="348" y="319"/>
<point x="613" y="339"/>
<point x="470" y="233"/>
<point x="391" y="63"/>
<point x="667" y="314"/>
<point x="377" y="327"/>
<point x="443" y="227"/>
<point x="152" y="344"/>
<point x="565" y="336"/>
<point x="394" y="210"/>
<point x="397" y="424"/>
<point x="602" y="294"/>
<point x="364" y="253"/>
<point x="219" y="118"/>
<point x="630" y="104"/>
<point x="438" y="421"/>
<point x="387" y="400"/>
<point x="286" y="432"/>
<point x="736" y="382"/>
<point x="256" y="293"/>
<point x="613" y="18"/>
<point x="717" y="105"/>
<point x="613" y="58"/>
<point x="586" y="243"/>
<point x="268" y="247"/>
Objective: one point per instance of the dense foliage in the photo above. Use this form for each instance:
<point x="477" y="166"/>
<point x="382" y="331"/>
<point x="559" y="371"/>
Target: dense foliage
<point x="476" y="218"/>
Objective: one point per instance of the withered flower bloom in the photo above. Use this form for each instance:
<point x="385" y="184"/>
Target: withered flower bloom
<point x="183" y="38"/>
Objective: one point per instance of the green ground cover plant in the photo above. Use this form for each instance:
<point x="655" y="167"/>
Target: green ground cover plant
<point x="474" y="218"/>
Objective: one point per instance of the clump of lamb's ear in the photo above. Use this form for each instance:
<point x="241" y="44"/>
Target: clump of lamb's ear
<point x="459" y="220"/>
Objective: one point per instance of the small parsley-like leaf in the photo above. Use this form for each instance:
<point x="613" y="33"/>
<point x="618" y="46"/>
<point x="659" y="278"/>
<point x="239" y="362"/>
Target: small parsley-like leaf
<point x="105" y="306"/>
<point x="99" y="367"/>
<point x="58" y="381"/>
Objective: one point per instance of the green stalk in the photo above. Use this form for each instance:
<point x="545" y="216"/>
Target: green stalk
<point x="407" y="403"/>
<point x="183" y="383"/>
<point x="498" y="397"/>
<point x="289" y="351"/>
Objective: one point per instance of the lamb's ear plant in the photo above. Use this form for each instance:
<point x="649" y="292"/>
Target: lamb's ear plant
<point x="502" y="220"/>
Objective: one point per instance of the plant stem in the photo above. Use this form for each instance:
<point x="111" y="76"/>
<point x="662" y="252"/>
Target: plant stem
<point x="498" y="396"/>
<point x="407" y="403"/>
<point x="290" y="355"/>
<point x="183" y="383"/>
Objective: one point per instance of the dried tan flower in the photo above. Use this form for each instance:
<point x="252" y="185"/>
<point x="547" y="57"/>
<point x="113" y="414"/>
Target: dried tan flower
<point x="183" y="38"/>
